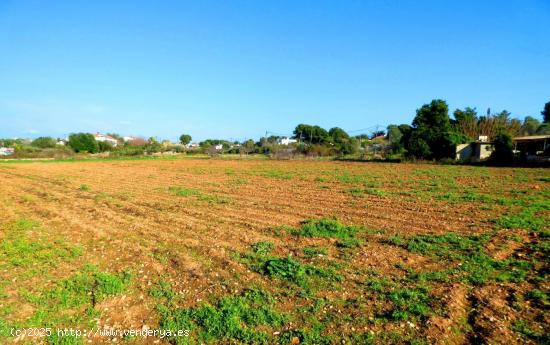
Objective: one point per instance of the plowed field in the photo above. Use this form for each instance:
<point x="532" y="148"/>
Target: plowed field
<point x="274" y="252"/>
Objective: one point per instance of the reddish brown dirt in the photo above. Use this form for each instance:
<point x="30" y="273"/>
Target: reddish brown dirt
<point x="128" y="218"/>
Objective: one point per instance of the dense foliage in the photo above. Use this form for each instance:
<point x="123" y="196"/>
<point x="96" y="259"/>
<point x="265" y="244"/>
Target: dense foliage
<point x="185" y="139"/>
<point x="432" y="135"/>
<point x="44" y="142"/>
<point x="503" y="148"/>
<point x="546" y="113"/>
<point x="83" y="142"/>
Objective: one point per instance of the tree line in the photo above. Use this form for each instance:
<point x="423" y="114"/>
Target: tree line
<point x="432" y="135"/>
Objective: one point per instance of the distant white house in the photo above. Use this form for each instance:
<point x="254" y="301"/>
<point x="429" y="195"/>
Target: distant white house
<point x="218" y="147"/>
<point x="287" y="141"/>
<point x="106" y="138"/>
<point x="192" y="145"/>
<point x="128" y="138"/>
<point x="6" y="151"/>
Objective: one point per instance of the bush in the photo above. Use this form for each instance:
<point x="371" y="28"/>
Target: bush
<point x="83" y="142"/>
<point x="503" y="152"/>
<point x="129" y="150"/>
<point x="104" y="146"/>
<point x="58" y="152"/>
<point x="44" y="142"/>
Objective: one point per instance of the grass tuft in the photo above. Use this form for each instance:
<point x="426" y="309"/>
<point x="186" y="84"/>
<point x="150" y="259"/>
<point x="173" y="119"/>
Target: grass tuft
<point x="326" y="227"/>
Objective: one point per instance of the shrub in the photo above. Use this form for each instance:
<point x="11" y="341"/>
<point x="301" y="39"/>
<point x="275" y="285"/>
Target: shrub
<point x="503" y="152"/>
<point x="83" y="142"/>
<point x="44" y="142"/>
<point x="104" y="146"/>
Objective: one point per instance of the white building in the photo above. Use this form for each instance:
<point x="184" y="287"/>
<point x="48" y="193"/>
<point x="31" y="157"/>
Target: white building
<point x="106" y="138"/>
<point x="6" y="151"/>
<point x="287" y="141"/>
<point x="218" y="147"/>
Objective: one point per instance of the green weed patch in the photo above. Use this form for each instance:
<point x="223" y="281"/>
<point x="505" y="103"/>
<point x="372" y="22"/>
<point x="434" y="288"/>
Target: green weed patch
<point x="406" y="301"/>
<point x="24" y="245"/>
<point x="312" y="252"/>
<point x="466" y="258"/>
<point x="326" y="227"/>
<point x="234" y="319"/>
<point x="200" y="196"/>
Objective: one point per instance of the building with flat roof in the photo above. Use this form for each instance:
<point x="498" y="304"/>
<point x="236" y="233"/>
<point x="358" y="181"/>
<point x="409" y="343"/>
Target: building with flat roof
<point x="532" y="147"/>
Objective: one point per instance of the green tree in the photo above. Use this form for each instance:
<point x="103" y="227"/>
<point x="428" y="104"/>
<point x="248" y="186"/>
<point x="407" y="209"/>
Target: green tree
<point x="503" y="152"/>
<point x="44" y="142"/>
<point x="349" y="146"/>
<point x="185" y="139"/>
<point x="430" y="136"/>
<point x="338" y="135"/>
<point x="546" y="113"/>
<point x="83" y="142"/>
<point x="311" y="134"/>
<point x="530" y="126"/>
<point x="248" y="146"/>
<point x="466" y="122"/>
<point x="394" y="138"/>
<point x="153" y="145"/>
<point x="466" y="115"/>
<point x="544" y="129"/>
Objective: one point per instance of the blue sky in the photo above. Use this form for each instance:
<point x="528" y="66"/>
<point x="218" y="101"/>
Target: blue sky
<point x="236" y="69"/>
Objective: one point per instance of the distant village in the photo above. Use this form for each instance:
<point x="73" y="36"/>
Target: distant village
<point x="378" y="145"/>
<point x="128" y="145"/>
<point x="433" y="135"/>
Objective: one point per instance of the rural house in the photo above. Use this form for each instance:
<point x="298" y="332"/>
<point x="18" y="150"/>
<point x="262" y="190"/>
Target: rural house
<point x="287" y="141"/>
<point x="476" y="151"/>
<point x="532" y="148"/>
<point x="6" y="151"/>
<point x="106" y="138"/>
